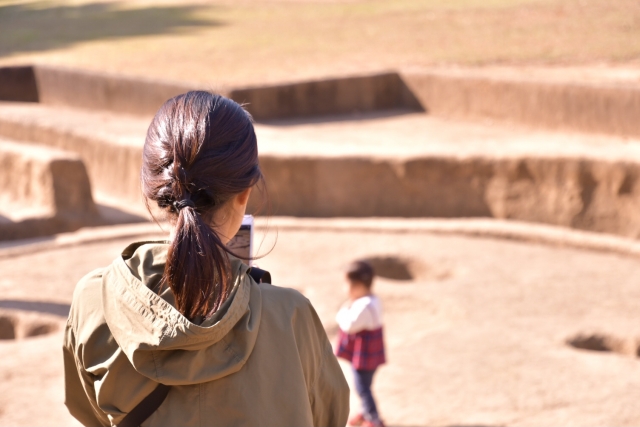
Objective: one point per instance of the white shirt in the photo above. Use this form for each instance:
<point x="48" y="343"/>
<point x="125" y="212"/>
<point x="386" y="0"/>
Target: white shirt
<point x="365" y="313"/>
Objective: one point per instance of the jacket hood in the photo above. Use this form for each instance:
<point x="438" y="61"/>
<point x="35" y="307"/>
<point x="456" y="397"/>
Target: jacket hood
<point x="158" y="340"/>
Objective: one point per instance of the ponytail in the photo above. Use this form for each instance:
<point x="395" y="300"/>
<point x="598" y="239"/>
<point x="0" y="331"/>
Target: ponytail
<point x="200" y="151"/>
<point x="197" y="267"/>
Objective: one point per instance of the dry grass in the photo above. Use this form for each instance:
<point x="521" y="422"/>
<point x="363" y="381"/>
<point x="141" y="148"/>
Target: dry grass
<point x="258" y="41"/>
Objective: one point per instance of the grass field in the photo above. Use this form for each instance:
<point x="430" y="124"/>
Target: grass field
<point x="241" y="42"/>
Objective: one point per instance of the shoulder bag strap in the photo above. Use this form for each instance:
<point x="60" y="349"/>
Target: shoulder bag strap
<point x="145" y="408"/>
<point x="260" y="276"/>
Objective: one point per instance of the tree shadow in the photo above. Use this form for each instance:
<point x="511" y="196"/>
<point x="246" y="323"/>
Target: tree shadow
<point x="41" y="26"/>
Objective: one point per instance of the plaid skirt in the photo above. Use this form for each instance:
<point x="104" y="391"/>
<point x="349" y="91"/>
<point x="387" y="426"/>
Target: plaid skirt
<point x="364" y="349"/>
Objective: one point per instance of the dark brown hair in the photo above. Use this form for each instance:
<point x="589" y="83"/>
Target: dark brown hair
<point x="200" y="151"/>
<point x="361" y="272"/>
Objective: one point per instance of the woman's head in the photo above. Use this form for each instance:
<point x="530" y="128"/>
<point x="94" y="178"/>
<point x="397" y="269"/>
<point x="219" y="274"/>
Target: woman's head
<point x="200" y="160"/>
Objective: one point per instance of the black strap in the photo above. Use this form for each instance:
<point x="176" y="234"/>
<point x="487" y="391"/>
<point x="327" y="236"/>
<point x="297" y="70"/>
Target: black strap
<point x="145" y="408"/>
<point x="260" y="276"/>
<point x="153" y="401"/>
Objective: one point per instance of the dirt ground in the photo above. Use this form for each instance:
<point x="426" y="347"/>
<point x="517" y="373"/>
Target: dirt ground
<point x="476" y="329"/>
<point x="224" y="42"/>
<point x="362" y="134"/>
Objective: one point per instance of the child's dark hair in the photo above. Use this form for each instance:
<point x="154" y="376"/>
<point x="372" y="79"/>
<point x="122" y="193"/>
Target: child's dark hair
<point x="361" y="272"/>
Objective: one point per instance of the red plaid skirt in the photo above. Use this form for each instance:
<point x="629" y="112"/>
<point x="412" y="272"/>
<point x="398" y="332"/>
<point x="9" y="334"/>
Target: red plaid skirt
<point x="365" y="349"/>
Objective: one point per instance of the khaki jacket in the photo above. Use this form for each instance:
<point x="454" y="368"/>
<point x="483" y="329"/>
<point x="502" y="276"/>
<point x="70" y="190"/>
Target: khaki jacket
<point x="262" y="360"/>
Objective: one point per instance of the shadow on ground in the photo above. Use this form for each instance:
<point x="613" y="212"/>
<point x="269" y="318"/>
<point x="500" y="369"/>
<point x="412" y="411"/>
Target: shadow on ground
<point x="353" y="117"/>
<point x="54" y="308"/>
<point x="112" y="215"/>
<point x="43" y="26"/>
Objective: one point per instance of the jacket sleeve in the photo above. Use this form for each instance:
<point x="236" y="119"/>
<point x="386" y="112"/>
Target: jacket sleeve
<point x="330" y="392"/>
<point x="76" y="398"/>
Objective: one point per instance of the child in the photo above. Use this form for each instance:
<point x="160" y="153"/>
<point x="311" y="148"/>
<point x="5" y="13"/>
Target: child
<point x="360" y="339"/>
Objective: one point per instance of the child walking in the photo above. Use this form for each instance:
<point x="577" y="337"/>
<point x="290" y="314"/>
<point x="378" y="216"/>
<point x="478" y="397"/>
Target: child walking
<point x="360" y="339"/>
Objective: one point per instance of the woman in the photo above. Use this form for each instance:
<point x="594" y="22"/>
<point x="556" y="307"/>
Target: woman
<point x="185" y="313"/>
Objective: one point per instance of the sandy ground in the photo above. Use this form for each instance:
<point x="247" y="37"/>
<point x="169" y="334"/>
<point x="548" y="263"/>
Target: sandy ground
<point x="476" y="338"/>
<point x="405" y="135"/>
<point x="225" y="42"/>
<point x="386" y="134"/>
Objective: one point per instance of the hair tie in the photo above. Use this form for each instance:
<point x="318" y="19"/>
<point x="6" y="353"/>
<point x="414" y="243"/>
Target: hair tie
<point x="179" y="204"/>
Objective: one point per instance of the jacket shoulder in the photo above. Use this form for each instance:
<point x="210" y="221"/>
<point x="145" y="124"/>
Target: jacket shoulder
<point x="90" y="279"/>
<point x="87" y="297"/>
<point x="288" y="306"/>
<point x="280" y="297"/>
<point x="88" y="284"/>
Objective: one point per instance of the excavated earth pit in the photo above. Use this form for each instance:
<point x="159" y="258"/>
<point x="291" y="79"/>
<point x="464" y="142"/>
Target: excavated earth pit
<point x="393" y="267"/>
<point x="386" y="145"/>
<point x="19" y="325"/>
<point x="405" y="269"/>
<point x="476" y="334"/>
<point x="606" y="343"/>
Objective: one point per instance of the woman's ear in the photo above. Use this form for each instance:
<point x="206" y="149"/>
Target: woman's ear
<point x="243" y="198"/>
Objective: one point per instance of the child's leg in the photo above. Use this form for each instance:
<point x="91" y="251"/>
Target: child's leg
<point x="363" y="380"/>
